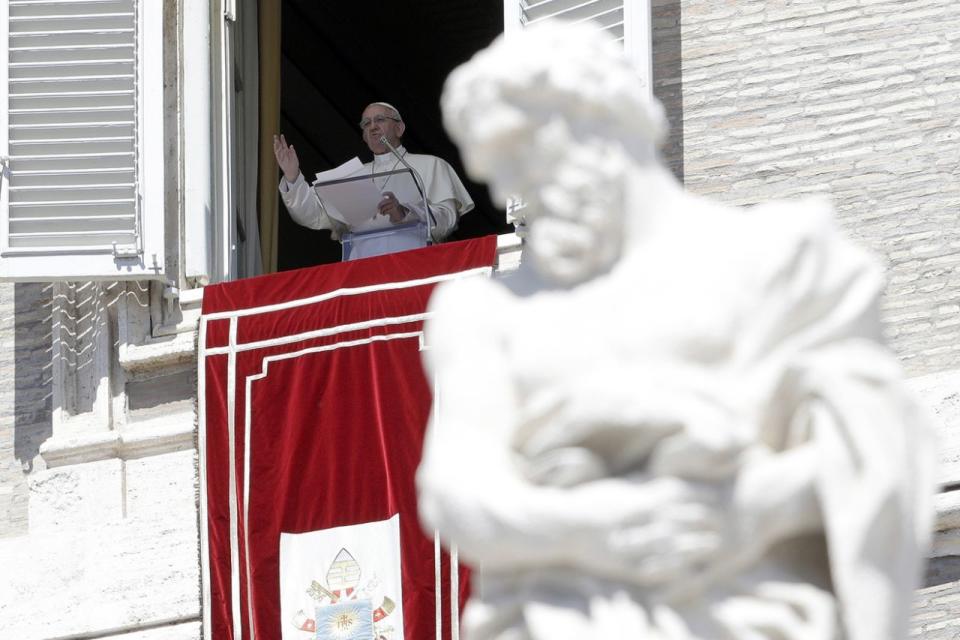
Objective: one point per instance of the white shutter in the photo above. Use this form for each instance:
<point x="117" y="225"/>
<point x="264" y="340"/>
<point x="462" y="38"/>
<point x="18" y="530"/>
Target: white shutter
<point x="83" y="132"/>
<point x="608" y="14"/>
<point x="628" y="21"/>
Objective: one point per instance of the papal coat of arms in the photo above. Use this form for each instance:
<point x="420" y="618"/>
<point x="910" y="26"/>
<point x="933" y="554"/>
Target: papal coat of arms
<point x="349" y="598"/>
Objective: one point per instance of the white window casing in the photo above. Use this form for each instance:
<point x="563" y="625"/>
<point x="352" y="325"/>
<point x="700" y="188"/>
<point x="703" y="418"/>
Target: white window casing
<point x="81" y="131"/>
<point x="198" y="159"/>
<point x="223" y="105"/>
<point x="234" y="103"/>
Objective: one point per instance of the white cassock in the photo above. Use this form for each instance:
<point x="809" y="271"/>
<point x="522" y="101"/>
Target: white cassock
<point x="446" y="195"/>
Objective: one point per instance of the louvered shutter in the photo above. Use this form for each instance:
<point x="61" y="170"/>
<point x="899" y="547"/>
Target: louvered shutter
<point x="628" y="21"/>
<point x="82" y="133"/>
<point x="608" y="14"/>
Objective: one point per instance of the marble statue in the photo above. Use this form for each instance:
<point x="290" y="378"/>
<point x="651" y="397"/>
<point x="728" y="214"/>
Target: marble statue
<point x="677" y="419"/>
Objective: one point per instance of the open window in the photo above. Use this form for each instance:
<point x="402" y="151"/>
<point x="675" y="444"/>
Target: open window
<point x="82" y="155"/>
<point x="86" y="193"/>
<point x="337" y="57"/>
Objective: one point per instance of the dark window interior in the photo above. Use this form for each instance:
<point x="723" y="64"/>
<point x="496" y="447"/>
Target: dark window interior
<point x="339" y="56"/>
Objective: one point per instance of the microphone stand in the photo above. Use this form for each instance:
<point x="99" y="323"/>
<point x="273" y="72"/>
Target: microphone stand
<point x="419" y="182"/>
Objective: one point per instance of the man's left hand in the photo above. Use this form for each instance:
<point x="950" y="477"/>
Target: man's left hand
<point x="391" y="207"/>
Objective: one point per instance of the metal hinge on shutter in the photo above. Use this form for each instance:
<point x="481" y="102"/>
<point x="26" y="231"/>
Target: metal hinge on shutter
<point x="134" y="250"/>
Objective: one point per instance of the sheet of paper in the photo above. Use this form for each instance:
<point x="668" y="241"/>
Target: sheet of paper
<point x="355" y="202"/>
<point x="349" y="168"/>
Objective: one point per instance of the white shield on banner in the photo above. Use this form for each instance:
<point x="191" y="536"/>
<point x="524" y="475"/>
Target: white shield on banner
<point x="342" y="583"/>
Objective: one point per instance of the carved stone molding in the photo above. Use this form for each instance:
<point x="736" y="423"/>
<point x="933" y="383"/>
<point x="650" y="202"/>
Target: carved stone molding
<point x="109" y="339"/>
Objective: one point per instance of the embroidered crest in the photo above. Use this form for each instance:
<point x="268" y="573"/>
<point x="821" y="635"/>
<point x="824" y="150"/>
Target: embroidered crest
<point x="351" y="596"/>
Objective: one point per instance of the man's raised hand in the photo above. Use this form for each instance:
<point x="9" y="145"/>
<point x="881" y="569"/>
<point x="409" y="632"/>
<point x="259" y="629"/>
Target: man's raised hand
<point x="286" y="158"/>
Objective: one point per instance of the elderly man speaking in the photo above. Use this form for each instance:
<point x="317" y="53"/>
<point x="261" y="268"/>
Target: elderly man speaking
<point x="446" y="196"/>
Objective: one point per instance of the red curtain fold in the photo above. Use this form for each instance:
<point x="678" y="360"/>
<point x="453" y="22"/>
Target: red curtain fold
<point x="320" y="370"/>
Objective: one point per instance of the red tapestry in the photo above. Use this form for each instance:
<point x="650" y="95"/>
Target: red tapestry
<point x="313" y="405"/>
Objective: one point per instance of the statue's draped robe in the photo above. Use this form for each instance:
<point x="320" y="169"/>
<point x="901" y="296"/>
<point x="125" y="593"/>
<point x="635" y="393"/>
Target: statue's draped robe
<point x="724" y="336"/>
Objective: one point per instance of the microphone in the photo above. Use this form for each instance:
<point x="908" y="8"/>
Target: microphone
<point x="418" y="180"/>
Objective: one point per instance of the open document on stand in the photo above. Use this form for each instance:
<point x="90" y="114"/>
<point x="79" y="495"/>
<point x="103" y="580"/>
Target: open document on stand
<point x="353" y="202"/>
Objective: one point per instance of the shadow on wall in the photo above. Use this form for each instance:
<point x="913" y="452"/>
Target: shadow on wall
<point x="668" y="77"/>
<point x="942" y="571"/>
<point x="33" y="371"/>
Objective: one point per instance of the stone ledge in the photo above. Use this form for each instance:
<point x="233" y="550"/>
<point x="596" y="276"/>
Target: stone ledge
<point x="155" y="437"/>
<point x="946" y="535"/>
<point x="83" y="447"/>
<point x="945" y="543"/>
<point x="157" y="354"/>
<point x="940" y="392"/>
<point x="948" y="510"/>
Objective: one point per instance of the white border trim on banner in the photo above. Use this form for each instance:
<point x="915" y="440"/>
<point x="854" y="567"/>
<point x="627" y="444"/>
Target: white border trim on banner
<point x="454" y="593"/>
<point x="231" y="351"/>
<point x="437" y="584"/>
<point x="318" y="333"/>
<point x="248" y="412"/>
<point x="202" y="515"/>
<point x="350" y="291"/>
<point x="232" y="490"/>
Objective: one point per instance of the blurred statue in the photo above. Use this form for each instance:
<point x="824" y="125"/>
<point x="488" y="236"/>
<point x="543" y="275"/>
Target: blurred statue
<point x="676" y="419"/>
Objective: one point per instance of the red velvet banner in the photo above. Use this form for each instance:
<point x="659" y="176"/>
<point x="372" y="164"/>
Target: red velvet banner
<point x="313" y="405"/>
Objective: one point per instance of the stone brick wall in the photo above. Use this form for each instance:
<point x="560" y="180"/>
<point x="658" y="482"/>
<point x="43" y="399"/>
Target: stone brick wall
<point x="936" y="607"/>
<point x="25" y="396"/>
<point x="106" y="546"/>
<point x="855" y="99"/>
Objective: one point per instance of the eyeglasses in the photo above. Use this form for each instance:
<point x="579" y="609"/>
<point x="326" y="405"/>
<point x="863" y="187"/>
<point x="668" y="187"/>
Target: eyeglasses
<point x="378" y="120"/>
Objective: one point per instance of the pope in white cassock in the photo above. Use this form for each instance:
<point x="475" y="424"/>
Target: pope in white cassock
<point x="446" y="196"/>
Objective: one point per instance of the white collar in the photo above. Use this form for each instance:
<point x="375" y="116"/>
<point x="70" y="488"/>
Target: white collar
<point x="380" y="158"/>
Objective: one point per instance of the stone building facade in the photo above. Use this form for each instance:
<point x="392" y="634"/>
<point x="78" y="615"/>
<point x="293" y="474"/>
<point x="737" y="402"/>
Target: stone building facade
<point x="854" y="99"/>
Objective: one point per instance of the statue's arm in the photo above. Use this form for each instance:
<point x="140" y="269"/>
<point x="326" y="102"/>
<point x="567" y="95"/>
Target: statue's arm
<point x="472" y="491"/>
<point x="775" y="498"/>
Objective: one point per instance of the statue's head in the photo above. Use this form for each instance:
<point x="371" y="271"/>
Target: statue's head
<point x="556" y="115"/>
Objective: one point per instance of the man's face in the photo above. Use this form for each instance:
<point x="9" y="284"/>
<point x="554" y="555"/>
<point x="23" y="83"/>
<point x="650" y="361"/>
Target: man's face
<point x="378" y="121"/>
